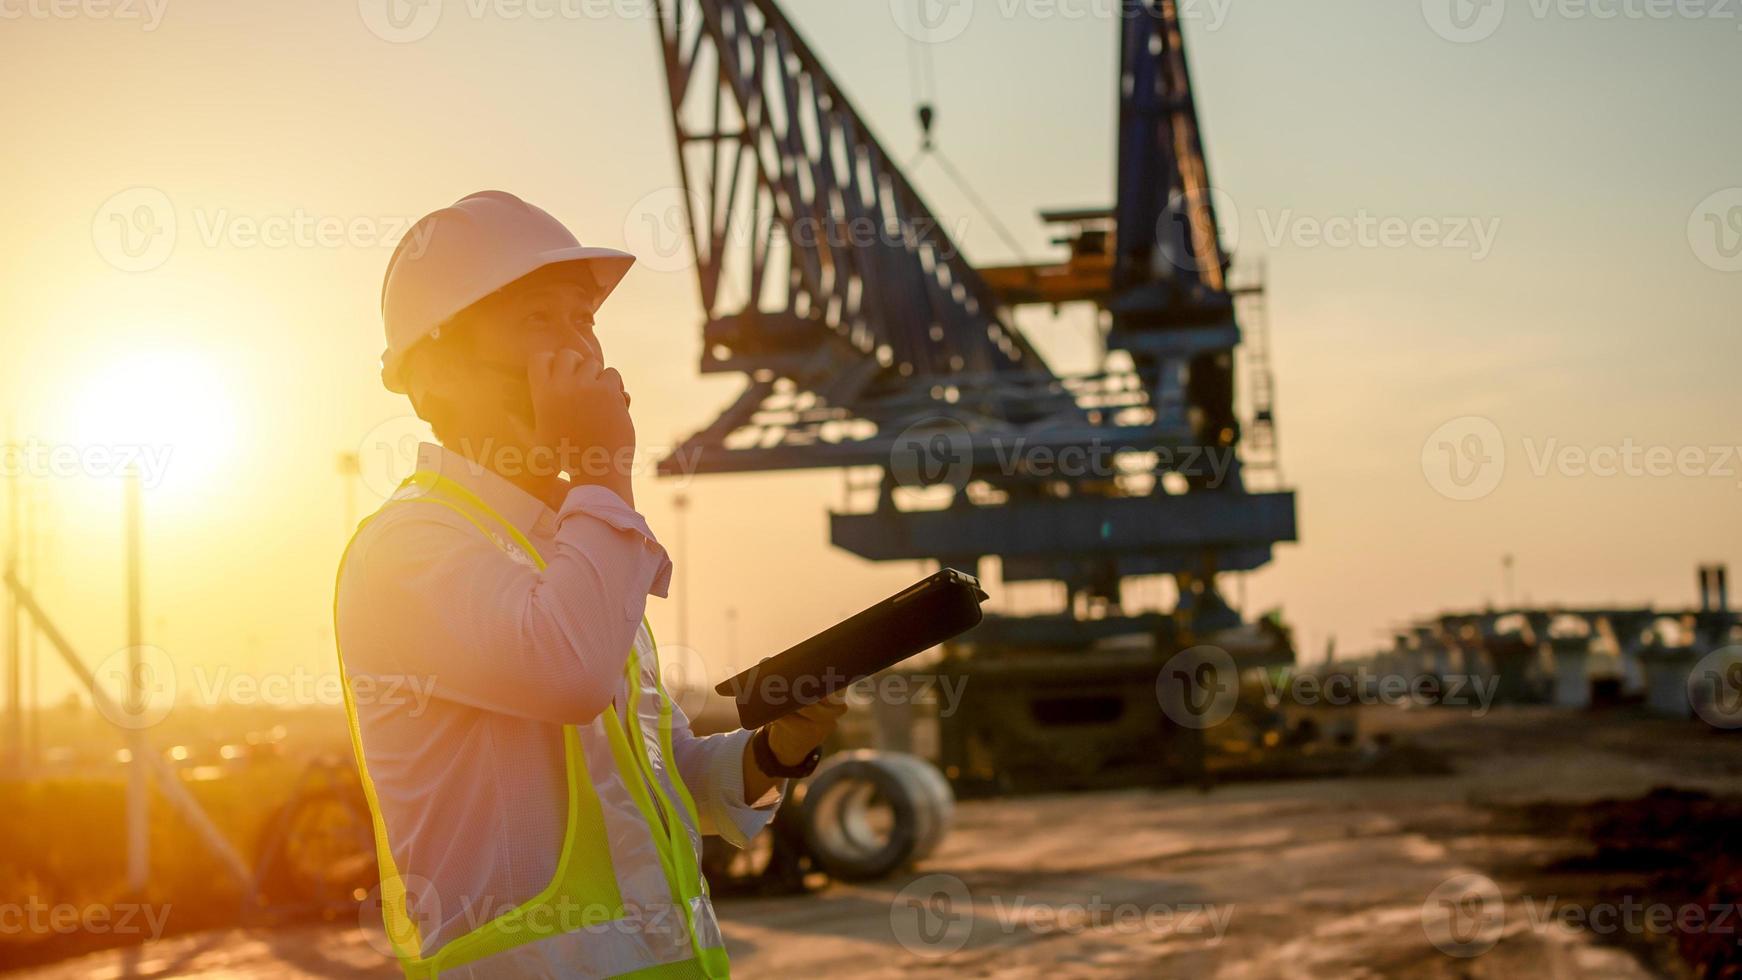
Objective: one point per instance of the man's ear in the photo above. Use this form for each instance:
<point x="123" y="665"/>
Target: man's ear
<point x="430" y="375"/>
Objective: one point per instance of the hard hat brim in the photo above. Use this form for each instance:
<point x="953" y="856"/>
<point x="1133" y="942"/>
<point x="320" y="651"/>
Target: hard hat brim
<point x="596" y="267"/>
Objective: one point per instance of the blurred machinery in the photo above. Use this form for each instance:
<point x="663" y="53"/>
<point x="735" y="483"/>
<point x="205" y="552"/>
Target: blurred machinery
<point x="1675" y="661"/>
<point x="870" y="343"/>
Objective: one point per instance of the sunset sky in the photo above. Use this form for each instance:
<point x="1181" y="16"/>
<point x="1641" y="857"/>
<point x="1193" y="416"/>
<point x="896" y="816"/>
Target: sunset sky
<point x="1573" y="183"/>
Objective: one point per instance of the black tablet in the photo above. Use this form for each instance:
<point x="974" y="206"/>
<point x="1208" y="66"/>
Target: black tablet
<point x="917" y="618"/>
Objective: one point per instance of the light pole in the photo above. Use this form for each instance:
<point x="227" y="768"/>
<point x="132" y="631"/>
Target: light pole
<point x="138" y="814"/>
<point x="681" y="504"/>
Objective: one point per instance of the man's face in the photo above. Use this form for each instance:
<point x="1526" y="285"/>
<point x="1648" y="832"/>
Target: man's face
<point x="524" y="321"/>
<point x="485" y="374"/>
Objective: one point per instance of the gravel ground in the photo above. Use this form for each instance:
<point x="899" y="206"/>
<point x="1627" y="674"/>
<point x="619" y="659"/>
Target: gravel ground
<point x="1320" y="878"/>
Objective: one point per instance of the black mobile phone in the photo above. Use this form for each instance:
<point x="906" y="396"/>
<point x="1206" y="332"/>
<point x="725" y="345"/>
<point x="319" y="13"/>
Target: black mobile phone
<point x="921" y="616"/>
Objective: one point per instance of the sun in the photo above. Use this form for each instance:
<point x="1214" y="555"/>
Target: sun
<point x="165" y="413"/>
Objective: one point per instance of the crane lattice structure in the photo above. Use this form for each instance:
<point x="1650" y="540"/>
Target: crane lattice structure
<point x="868" y="339"/>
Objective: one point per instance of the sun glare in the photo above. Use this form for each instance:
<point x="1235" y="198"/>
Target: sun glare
<point x="166" y="414"/>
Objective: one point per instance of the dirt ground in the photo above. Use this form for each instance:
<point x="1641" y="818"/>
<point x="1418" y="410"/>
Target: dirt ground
<point x="1323" y="878"/>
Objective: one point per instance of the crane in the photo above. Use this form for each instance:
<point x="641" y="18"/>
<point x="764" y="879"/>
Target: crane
<point x="869" y="341"/>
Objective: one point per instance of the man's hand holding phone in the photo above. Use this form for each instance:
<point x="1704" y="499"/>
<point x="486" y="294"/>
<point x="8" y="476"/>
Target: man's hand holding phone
<point x="581" y="412"/>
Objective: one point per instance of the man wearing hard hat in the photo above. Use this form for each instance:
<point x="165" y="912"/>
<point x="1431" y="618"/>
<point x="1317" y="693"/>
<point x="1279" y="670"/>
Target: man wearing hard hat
<point x="542" y="814"/>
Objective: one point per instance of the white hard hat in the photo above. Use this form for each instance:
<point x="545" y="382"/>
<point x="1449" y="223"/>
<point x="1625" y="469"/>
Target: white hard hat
<point x="455" y="257"/>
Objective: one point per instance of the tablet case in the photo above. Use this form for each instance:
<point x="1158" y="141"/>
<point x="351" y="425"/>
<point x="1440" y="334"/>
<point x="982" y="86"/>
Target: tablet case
<point x="919" y="617"/>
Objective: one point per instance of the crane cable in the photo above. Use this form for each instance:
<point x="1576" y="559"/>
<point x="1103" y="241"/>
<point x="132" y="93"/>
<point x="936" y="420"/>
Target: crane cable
<point x="922" y="80"/>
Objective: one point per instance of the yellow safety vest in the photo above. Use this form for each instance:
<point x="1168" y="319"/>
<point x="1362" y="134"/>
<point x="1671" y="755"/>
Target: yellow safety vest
<point x="604" y="883"/>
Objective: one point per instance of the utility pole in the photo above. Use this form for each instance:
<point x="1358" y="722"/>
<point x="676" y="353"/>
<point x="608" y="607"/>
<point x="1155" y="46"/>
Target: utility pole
<point x="14" y="646"/>
<point x="350" y="468"/>
<point x="732" y="635"/>
<point x="138" y="816"/>
<point x="681" y="504"/>
<point x="33" y="573"/>
<point x="1508" y="581"/>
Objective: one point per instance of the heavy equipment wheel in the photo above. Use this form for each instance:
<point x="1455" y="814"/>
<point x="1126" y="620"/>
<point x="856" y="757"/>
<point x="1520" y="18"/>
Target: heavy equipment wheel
<point x="867" y="814"/>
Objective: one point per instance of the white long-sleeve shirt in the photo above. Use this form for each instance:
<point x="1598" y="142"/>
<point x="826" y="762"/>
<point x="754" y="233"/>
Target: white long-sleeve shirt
<point x="471" y="780"/>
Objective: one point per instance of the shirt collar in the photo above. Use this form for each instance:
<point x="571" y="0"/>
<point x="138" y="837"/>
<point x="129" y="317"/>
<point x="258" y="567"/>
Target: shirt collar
<point x="527" y="513"/>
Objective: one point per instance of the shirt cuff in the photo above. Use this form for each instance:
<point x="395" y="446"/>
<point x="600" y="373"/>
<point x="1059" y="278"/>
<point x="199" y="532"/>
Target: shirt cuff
<point x="734" y="820"/>
<point x="603" y="504"/>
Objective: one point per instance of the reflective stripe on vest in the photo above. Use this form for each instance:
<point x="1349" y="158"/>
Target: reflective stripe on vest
<point x="627" y="880"/>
